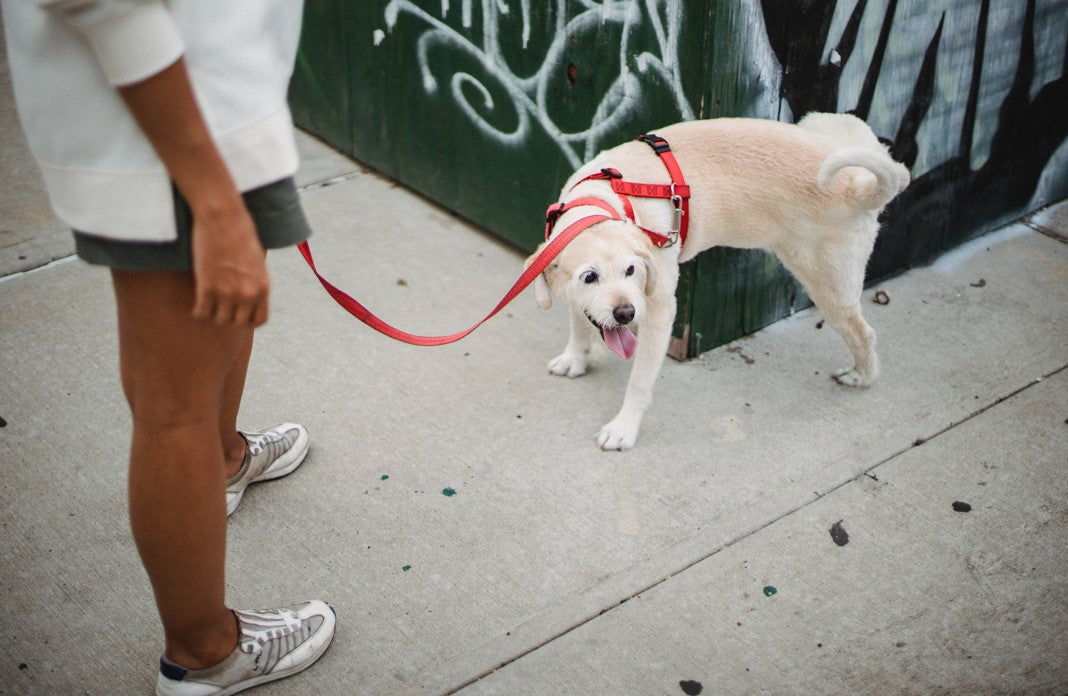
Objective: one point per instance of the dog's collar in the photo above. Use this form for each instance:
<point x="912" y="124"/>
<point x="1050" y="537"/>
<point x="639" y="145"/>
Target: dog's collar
<point x="677" y="192"/>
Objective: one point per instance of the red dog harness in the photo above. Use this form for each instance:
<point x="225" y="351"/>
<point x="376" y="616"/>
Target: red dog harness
<point x="678" y="192"/>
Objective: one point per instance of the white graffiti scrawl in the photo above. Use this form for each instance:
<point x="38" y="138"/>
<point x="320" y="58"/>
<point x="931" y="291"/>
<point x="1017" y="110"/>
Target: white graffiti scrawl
<point x="528" y="94"/>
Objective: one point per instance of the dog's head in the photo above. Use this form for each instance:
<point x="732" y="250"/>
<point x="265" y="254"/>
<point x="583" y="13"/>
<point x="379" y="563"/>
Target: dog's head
<point x="607" y="273"/>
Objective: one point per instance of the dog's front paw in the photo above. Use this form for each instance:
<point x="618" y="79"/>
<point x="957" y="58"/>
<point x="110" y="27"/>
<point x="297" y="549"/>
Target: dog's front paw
<point x="851" y="378"/>
<point x="568" y="364"/>
<point x="620" y="434"/>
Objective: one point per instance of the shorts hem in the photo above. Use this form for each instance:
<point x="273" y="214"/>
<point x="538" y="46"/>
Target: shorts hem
<point x="275" y="210"/>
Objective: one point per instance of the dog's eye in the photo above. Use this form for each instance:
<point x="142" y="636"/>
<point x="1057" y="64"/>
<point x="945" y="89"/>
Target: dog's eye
<point x="629" y="271"/>
<point x="588" y="277"/>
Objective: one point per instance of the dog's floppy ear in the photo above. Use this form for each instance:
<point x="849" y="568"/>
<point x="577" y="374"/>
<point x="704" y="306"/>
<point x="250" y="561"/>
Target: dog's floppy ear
<point x="650" y="274"/>
<point x="542" y="296"/>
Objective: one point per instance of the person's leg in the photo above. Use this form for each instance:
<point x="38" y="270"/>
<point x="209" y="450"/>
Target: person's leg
<point x="174" y="369"/>
<point x="253" y="456"/>
<point x="233" y="444"/>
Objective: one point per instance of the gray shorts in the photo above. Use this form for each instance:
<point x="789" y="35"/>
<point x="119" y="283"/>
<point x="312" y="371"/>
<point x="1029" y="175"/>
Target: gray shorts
<point x="275" y="210"/>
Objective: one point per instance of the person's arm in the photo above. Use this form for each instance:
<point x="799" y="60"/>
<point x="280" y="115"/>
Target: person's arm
<point x="138" y="48"/>
<point x="229" y="267"/>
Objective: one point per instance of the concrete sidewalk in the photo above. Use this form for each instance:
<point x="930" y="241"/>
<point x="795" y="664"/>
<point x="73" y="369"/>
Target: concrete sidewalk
<point x="456" y="510"/>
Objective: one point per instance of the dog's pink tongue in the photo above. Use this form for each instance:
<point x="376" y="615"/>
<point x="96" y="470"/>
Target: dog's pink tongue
<point x="621" y="341"/>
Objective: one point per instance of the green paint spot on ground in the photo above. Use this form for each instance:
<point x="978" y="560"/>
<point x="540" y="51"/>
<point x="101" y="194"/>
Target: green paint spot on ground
<point x="385" y="477"/>
<point x="406" y="568"/>
<point x="769" y="590"/>
<point x="448" y="492"/>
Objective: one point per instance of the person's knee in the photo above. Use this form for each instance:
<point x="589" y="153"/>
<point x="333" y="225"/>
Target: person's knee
<point x="171" y="400"/>
<point x="160" y="413"/>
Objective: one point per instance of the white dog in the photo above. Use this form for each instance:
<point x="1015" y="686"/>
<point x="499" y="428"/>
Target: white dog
<point x="810" y="193"/>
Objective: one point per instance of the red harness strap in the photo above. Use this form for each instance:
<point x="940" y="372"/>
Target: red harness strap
<point x="540" y="263"/>
<point x="678" y="192"/>
<point x="557" y="209"/>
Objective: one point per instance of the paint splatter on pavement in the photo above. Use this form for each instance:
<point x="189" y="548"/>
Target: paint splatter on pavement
<point x="839" y="534"/>
<point x="691" y="687"/>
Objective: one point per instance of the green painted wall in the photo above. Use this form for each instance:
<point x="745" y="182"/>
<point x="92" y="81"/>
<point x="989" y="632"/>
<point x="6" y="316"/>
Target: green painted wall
<point x="487" y="114"/>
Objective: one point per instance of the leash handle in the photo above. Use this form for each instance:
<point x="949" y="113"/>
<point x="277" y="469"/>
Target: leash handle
<point x="540" y="263"/>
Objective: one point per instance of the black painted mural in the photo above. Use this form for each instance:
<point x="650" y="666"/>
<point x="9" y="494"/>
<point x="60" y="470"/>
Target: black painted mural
<point x="954" y="198"/>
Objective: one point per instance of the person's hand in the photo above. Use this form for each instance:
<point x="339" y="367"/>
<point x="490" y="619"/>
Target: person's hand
<point x="229" y="267"/>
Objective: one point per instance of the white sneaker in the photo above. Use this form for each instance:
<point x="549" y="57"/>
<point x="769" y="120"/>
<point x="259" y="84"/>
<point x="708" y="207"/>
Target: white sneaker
<point x="270" y="454"/>
<point x="274" y="643"/>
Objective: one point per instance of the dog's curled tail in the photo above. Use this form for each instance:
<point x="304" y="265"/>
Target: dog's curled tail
<point x="891" y="177"/>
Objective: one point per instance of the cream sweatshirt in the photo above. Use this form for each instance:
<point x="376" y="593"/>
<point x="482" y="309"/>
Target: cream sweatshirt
<point x="102" y="175"/>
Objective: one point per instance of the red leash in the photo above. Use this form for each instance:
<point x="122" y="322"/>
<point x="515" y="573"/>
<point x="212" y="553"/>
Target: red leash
<point x="677" y="192"/>
<point x="532" y="271"/>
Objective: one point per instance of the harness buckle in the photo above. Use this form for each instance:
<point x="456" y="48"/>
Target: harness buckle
<point x="551" y="216"/>
<point x="659" y="145"/>
<point x="676" y="219"/>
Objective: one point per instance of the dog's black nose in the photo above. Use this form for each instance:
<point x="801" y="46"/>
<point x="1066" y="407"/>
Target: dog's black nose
<point x="624" y="313"/>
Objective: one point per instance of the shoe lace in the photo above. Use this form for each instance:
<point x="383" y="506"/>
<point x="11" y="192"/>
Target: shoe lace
<point x="261" y="627"/>
<point x="260" y="442"/>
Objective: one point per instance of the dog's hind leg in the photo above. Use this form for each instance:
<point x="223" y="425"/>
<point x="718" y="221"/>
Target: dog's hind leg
<point x="860" y="338"/>
<point x="835" y="287"/>
<point x="573" y="361"/>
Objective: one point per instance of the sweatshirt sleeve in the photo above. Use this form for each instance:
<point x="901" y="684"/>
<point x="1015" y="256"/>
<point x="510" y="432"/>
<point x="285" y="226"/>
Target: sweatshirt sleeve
<point x="131" y="39"/>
